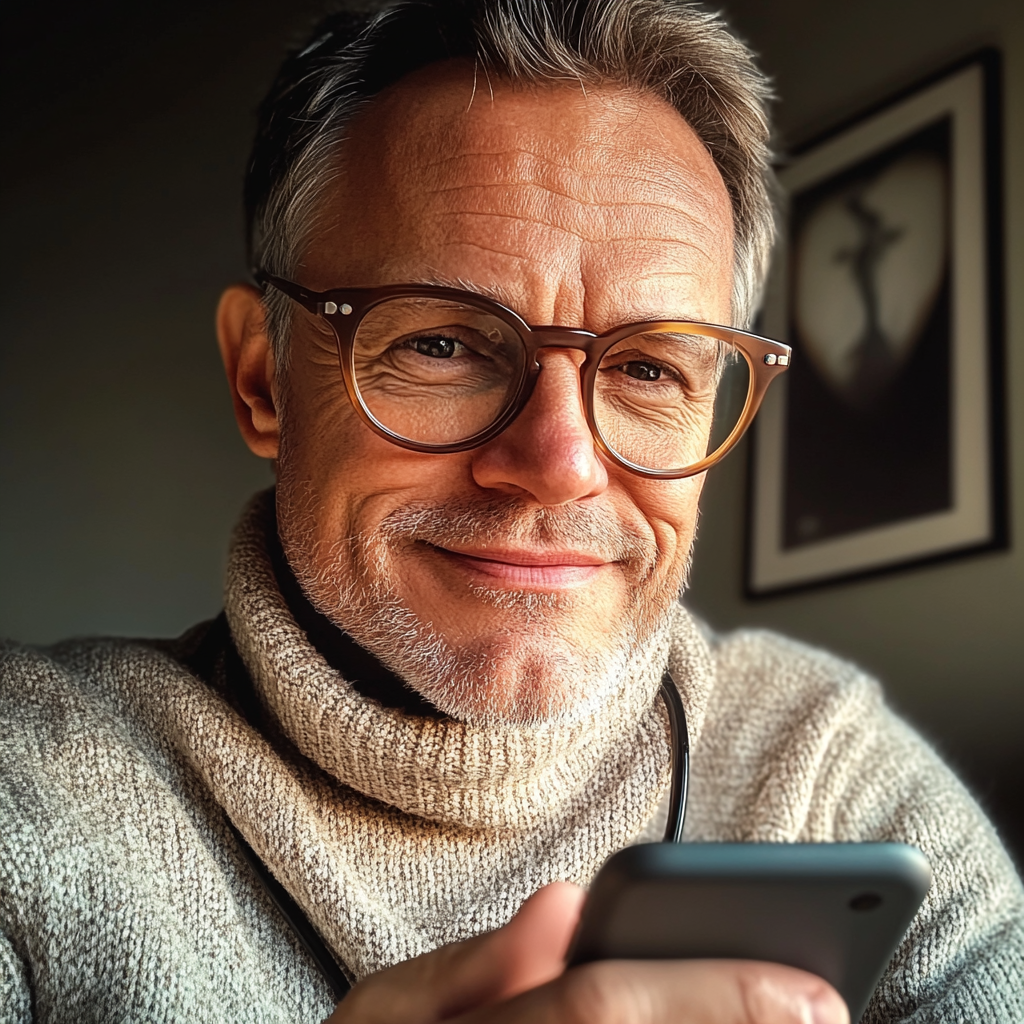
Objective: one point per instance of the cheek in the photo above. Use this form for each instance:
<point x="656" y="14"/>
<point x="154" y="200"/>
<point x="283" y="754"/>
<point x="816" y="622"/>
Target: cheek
<point x="322" y="446"/>
<point x="670" y="508"/>
<point x="323" y="435"/>
<point x="334" y="468"/>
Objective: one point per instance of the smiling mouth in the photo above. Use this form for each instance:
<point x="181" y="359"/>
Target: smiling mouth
<point x="541" y="570"/>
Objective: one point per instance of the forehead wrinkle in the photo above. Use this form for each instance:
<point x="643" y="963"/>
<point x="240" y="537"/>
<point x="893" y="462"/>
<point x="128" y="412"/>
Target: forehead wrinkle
<point x="525" y="147"/>
<point x="638" y="244"/>
<point x="492" y="250"/>
<point x="537" y="206"/>
<point x="650" y="205"/>
<point x="600" y="177"/>
<point x="591" y="314"/>
<point x="492" y="290"/>
<point x="591" y="184"/>
<point x="632" y="296"/>
<point x="630" y="304"/>
<point x="632" y="237"/>
<point x="638" y="254"/>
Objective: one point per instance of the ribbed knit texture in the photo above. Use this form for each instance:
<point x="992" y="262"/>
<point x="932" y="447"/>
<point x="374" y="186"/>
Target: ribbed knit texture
<point x="123" y="896"/>
<point x="475" y="818"/>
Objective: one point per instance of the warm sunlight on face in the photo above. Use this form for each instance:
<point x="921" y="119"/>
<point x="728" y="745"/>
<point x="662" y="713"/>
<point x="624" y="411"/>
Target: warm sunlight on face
<point x="513" y="581"/>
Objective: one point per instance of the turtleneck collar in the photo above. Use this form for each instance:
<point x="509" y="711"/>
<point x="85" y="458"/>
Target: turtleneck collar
<point x="397" y="833"/>
<point x="473" y="776"/>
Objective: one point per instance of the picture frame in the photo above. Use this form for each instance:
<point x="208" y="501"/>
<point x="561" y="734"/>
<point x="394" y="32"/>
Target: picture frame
<point x="883" y="446"/>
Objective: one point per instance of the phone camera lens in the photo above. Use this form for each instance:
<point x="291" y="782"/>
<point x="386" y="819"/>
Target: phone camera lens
<point x="866" y="901"/>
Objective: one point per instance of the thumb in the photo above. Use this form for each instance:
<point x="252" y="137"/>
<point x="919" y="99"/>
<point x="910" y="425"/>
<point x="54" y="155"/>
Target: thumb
<point x="533" y="945"/>
<point x="529" y="951"/>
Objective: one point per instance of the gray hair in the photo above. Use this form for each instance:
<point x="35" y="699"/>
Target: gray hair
<point x="671" y="48"/>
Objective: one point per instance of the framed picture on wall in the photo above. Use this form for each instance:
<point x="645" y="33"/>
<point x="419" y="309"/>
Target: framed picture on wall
<point x="882" y="446"/>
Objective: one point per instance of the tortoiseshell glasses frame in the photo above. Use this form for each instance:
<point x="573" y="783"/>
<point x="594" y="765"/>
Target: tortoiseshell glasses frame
<point x="344" y="309"/>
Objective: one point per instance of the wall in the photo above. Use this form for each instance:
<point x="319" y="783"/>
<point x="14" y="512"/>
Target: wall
<point x="126" y="128"/>
<point x="948" y="640"/>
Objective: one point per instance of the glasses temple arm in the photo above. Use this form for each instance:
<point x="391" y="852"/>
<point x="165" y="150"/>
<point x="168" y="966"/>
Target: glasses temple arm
<point x="313" y="301"/>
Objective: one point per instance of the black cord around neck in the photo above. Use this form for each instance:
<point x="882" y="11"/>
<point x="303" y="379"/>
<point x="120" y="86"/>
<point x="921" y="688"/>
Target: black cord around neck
<point x="297" y="920"/>
<point x="680" y="745"/>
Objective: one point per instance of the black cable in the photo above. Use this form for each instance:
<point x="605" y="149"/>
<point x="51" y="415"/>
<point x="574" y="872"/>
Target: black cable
<point x="680" y="759"/>
<point x="297" y="921"/>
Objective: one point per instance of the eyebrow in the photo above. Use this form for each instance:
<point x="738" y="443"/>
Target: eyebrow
<point x="496" y="293"/>
<point x="501" y="295"/>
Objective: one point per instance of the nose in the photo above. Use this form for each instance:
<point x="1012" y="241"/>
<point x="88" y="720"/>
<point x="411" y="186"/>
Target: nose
<point x="547" y="452"/>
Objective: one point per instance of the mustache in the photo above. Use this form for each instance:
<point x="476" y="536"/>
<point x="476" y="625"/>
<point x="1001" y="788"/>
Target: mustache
<point x="508" y="520"/>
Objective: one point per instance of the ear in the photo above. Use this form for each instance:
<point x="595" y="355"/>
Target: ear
<point x="249" y="364"/>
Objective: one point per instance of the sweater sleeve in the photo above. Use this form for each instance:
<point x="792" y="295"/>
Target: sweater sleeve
<point x="802" y="748"/>
<point x="963" y="956"/>
<point x="15" y="997"/>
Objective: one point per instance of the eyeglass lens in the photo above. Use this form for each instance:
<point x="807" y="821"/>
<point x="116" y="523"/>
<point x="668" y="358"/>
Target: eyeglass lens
<point x="434" y="371"/>
<point x="665" y="400"/>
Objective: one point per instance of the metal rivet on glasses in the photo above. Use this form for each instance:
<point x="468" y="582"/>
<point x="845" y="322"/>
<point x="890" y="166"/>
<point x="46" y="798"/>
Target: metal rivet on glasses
<point x="783" y="360"/>
<point x="345" y="309"/>
<point x="330" y="307"/>
<point x="771" y="359"/>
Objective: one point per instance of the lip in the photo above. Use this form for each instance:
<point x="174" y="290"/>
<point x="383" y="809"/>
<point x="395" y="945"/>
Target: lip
<point x="554" y="570"/>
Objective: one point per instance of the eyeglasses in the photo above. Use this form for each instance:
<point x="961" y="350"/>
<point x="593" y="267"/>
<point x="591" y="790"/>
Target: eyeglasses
<point x="443" y="370"/>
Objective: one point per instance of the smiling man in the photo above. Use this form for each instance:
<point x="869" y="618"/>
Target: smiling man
<point x="502" y="253"/>
<point x="511" y="581"/>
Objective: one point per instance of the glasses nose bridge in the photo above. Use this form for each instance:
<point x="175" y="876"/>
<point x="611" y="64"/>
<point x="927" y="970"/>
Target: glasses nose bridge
<point x="559" y="337"/>
<point x="555" y="337"/>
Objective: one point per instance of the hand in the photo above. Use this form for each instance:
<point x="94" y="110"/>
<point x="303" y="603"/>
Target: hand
<point x="517" y="974"/>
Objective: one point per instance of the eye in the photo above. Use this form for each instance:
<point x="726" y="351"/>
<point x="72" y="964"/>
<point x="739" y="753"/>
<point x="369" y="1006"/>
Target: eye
<point x="641" y="371"/>
<point x="436" y="346"/>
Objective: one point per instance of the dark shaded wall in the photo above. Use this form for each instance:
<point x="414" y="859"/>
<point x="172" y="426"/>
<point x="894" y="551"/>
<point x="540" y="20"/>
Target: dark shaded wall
<point x="125" y="132"/>
<point x="126" y="128"/>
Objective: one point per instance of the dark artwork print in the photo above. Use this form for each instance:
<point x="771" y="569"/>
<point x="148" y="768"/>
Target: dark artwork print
<point x="868" y="430"/>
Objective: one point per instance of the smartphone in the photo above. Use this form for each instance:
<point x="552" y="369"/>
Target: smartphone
<point x="838" y="910"/>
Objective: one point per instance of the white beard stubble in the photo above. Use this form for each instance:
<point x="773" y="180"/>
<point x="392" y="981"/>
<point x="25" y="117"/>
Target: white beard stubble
<point x="534" y="672"/>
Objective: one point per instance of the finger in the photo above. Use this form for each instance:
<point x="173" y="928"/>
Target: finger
<point x="532" y="947"/>
<point x="530" y="950"/>
<point x="673" y="992"/>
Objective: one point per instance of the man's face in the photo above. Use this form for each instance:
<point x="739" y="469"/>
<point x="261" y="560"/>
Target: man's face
<point x="510" y="582"/>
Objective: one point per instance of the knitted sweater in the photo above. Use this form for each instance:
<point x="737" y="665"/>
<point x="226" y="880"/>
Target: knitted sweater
<point x="125" y="896"/>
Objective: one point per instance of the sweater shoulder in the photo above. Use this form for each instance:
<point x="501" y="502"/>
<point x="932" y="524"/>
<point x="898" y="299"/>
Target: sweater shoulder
<point x="772" y="692"/>
<point x="96" y="674"/>
<point x="766" y="666"/>
<point x="75" y="736"/>
<point x="48" y="695"/>
<point x="782" y="718"/>
<point x="71" y="729"/>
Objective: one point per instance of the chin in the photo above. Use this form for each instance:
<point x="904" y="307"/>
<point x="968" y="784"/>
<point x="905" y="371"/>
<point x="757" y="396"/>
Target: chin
<point x="524" y="658"/>
<point x="493" y="654"/>
<point x="518" y="682"/>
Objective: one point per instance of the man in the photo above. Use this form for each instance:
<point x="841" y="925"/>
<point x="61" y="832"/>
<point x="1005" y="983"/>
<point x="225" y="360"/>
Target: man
<point x="432" y="701"/>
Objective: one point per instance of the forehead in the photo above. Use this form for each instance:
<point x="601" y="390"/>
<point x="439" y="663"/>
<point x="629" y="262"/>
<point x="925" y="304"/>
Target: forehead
<point x="554" y="197"/>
